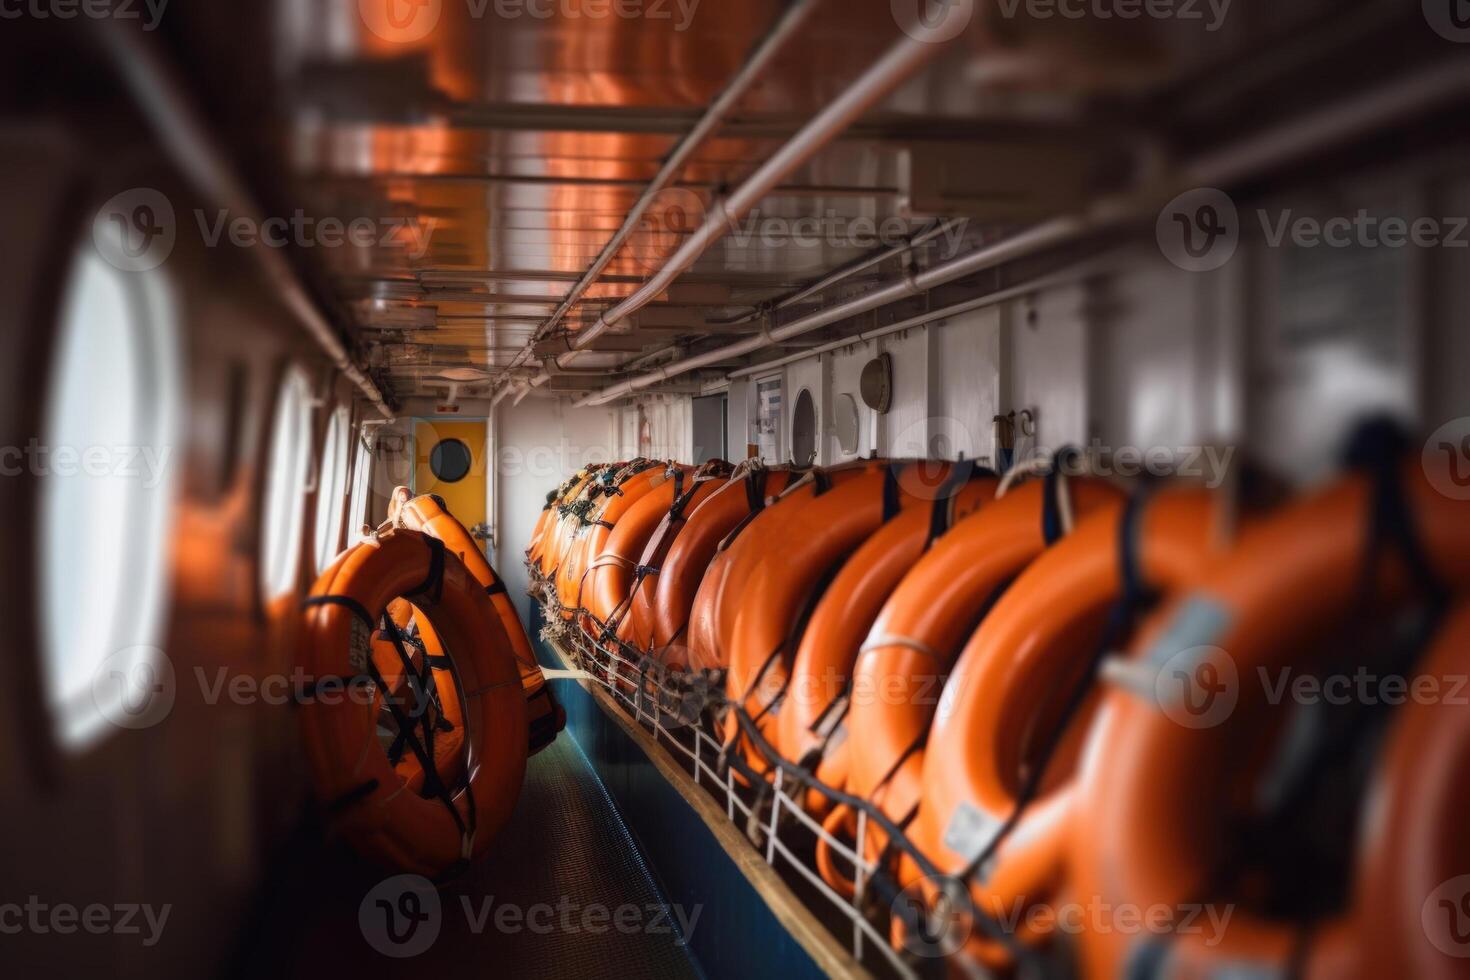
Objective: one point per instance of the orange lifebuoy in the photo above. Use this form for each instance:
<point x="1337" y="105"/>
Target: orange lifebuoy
<point x="638" y="627"/>
<point x="920" y="631"/>
<point x="612" y="500"/>
<point x="1190" y="719"/>
<point x="1419" y="846"/>
<point x="791" y="554"/>
<point x="363" y="793"/>
<point x="428" y="514"/>
<point x="422" y="683"/>
<point x="608" y="581"/>
<point x="722" y="590"/>
<point x="1007" y="712"/>
<point x="811" y="727"/>
<point x="549" y="550"/>
<point x="693" y="560"/>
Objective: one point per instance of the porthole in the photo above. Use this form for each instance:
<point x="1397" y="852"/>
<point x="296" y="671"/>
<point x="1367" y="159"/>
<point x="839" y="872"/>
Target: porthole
<point x="362" y="477"/>
<point x="106" y="466"/>
<point x="331" y="495"/>
<point x="287" y="470"/>
<point x="804" y="429"/>
<point x="450" y="461"/>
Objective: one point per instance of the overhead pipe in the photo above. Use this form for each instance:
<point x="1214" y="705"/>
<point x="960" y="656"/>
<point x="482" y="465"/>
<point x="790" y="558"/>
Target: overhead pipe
<point x="162" y="99"/>
<point x="882" y="77"/>
<point x="848" y="271"/>
<point x="968" y="306"/>
<point x="1412" y="95"/>
<point x="785" y="29"/>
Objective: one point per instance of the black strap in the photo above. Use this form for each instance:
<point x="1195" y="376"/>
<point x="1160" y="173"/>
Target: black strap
<point x="941" y="514"/>
<point x="496" y="588"/>
<point x="892" y="493"/>
<point x="352" y="797"/>
<point x="821" y="482"/>
<point x="1135" y="594"/>
<point x="433" y="585"/>
<point x="1377" y="448"/>
<point x="346" y="602"/>
<point x="1051" y="508"/>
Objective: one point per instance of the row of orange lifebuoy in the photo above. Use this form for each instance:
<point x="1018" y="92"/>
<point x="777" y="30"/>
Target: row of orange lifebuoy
<point x="1053" y="770"/>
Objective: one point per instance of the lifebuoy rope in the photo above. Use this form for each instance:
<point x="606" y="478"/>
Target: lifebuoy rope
<point x="433" y="784"/>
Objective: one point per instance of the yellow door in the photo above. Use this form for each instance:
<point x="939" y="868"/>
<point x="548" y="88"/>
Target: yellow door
<point x="449" y="460"/>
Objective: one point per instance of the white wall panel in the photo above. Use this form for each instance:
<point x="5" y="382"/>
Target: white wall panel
<point x="906" y="426"/>
<point x="1048" y="342"/>
<point x="967" y="355"/>
<point x="543" y="441"/>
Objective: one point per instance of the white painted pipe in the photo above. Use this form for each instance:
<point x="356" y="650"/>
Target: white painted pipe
<point x="785" y="29"/>
<point x="882" y="77"/>
<point x="1410" y="96"/>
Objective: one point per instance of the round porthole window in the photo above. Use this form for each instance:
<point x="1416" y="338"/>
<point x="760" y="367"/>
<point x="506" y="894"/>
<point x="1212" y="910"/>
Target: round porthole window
<point x="106" y="471"/>
<point x="450" y="461"/>
<point x="331" y="498"/>
<point x="362" y="477"/>
<point x="287" y="470"/>
<point x="804" y="430"/>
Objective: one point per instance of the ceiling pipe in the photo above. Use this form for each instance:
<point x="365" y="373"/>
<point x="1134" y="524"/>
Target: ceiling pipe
<point x="785" y="29"/>
<point x="1411" y="96"/>
<point x="848" y="271"/>
<point x="896" y="65"/>
<point x="162" y="99"/>
<point x="969" y="305"/>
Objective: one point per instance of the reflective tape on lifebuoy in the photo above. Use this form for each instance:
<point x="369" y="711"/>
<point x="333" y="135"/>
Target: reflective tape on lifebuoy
<point x="364" y="795"/>
<point x="1189" y="718"/>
